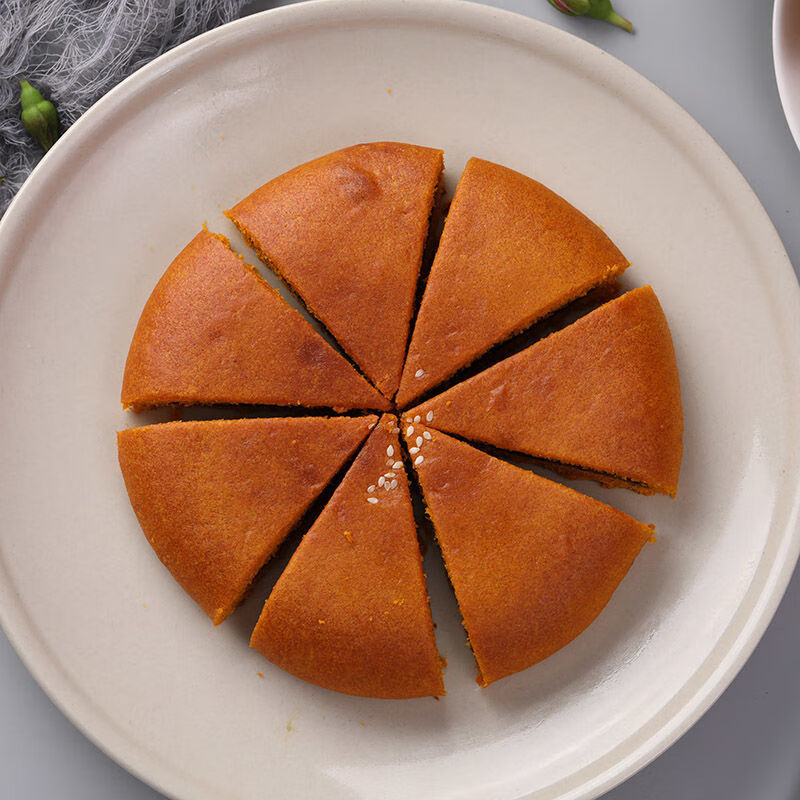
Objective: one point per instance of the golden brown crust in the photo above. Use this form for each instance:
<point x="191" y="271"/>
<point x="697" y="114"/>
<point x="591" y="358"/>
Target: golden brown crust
<point x="600" y="396"/>
<point x="350" y="611"/>
<point x="347" y="231"/>
<point x="215" y="499"/>
<point x="532" y="562"/>
<point x="512" y="251"/>
<point x="213" y="331"/>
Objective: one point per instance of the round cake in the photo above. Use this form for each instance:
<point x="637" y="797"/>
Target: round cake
<point x="453" y="355"/>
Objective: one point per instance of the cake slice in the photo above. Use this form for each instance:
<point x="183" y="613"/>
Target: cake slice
<point x="214" y="331"/>
<point x="599" y="399"/>
<point x="512" y="251"/>
<point x="532" y="562"/>
<point x="350" y="611"/>
<point x="215" y="499"/>
<point x="347" y="231"/>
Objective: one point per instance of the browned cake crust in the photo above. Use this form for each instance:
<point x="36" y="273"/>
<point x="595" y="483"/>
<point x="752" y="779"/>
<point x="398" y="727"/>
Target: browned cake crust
<point x="215" y="499"/>
<point x="347" y="231"/>
<point x="600" y="399"/>
<point x="213" y="331"/>
<point x="532" y="562"/>
<point x="512" y="251"/>
<point x="350" y="611"/>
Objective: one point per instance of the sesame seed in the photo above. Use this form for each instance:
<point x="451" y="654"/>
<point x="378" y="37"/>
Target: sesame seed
<point x="427" y="435"/>
<point x="418" y="419"/>
<point x="393" y="484"/>
<point x="389" y="462"/>
<point x="419" y="373"/>
<point x="397" y="465"/>
<point x="429" y="416"/>
<point x="418" y="460"/>
<point x="371" y="489"/>
<point x="413" y="450"/>
<point x="395" y="429"/>
<point x="410" y="430"/>
<point x="390" y="474"/>
<point x="387" y="486"/>
<point x="390" y="450"/>
<point x="372" y="500"/>
<point x="381" y="480"/>
<point x="420" y="440"/>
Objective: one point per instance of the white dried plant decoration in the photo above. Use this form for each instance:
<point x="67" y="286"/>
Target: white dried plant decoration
<point x="74" y="51"/>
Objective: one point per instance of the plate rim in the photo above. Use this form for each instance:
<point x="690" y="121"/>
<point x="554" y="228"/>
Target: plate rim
<point x="34" y="652"/>
<point x="791" y="112"/>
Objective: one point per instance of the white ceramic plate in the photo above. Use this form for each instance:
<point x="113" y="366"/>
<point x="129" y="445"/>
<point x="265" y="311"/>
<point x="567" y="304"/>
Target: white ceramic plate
<point x="100" y="622"/>
<point x="786" y="54"/>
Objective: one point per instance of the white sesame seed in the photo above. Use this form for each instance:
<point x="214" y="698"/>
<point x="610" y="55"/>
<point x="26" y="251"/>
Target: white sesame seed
<point x="427" y="435"/>
<point x="429" y="416"/>
<point x="390" y="450"/>
<point x="419" y="441"/>
<point x="387" y="486"/>
<point x="389" y="462"/>
<point x="418" y="419"/>
<point x="381" y="480"/>
<point x="418" y="460"/>
<point x="397" y="465"/>
<point x="413" y="450"/>
<point x="372" y="500"/>
<point x="410" y="430"/>
<point x="393" y="484"/>
<point x="390" y="474"/>
<point x="395" y="429"/>
<point x="419" y="373"/>
<point x="371" y="489"/>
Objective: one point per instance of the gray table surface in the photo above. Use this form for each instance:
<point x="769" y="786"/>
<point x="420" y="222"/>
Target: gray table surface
<point x="715" y="58"/>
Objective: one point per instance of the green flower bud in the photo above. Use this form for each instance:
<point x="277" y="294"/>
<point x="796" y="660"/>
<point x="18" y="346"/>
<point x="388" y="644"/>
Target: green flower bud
<point x="597" y="9"/>
<point x="39" y="116"/>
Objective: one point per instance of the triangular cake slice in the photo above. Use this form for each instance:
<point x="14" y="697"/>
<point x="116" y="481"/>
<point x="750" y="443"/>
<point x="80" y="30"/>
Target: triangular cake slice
<point x="216" y="498"/>
<point x="532" y="562"/>
<point x="347" y="232"/>
<point x="350" y="611"/>
<point x="214" y="331"/>
<point x="512" y="252"/>
<point x="599" y="399"/>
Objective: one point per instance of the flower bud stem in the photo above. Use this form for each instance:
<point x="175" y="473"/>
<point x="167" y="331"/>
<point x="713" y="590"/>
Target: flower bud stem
<point x="619" y="21"/>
